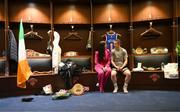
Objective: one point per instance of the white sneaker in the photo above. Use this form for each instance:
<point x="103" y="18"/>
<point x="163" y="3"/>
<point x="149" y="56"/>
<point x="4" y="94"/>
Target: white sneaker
<point x="125" y="89"/>
<point x="115" y="89"/>
<point x="97" y="84"/>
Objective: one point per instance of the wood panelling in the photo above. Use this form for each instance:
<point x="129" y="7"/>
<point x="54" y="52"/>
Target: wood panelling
<point x="104" y="13"/>
<point x="29" y="12"/>
<point x="164" y="40"/>
<point x="111" y="13"/>
<point x="74" y="45"/>
<point x="1" y="11"/>
<point x="71" y="14"/>
<point x="37" y="45"/>
<point x="139" y="81"/>
<point x="67" y="12"/>
<point x="177" y="8"/>
<point x="118" y="28"/>
<point x="152" y="9"/>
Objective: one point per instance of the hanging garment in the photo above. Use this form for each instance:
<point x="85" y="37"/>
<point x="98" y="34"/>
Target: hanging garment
<point x="12" y="46"/>
<point x="12" y="52"/>
<point x="56" y="53"/>
<point x="49" y="46"/>
<point x="89" y="41"/>
<point x="110" y="39"/>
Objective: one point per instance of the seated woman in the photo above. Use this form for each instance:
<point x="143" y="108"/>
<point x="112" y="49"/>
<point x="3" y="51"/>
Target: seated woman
<point x="102" y="65"/>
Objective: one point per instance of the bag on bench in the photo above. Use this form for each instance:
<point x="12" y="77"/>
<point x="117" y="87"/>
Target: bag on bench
<point x="68" y="70"/>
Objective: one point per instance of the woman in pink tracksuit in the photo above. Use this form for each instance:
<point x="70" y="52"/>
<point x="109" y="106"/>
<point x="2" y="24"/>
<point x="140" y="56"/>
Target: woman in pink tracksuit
<point x="102" y="65"/>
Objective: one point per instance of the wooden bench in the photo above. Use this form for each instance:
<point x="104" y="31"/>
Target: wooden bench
<point x="146" y="80"/>
<point x="140" y="80"/>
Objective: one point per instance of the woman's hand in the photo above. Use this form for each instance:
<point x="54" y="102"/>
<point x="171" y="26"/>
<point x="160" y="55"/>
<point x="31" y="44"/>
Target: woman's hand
<point x="104" y="69"/>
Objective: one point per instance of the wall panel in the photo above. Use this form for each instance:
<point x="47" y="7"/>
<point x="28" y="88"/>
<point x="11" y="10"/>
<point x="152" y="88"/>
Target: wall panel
<point x="177" y="8"/>
<point x="2" y="11"/>
<point x="35" y="44"/>
<point x="78" y="45"/>
<point x="71" y="14"/>
<point x="29" y="12"/>
<point x="111" y="13"/>
<point x="151" y="9"/>
<point x="164" y="40"/>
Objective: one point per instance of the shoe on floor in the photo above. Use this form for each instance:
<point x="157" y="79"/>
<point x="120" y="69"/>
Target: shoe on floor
<point x="125" y="89"/>
<point x="115" y="89"/>
<point x="28" y="99"/>
<point x="97" y="84"/>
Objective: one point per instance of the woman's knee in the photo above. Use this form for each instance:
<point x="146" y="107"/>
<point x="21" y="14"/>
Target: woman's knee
<point x="108" y="70"/>
<point x="100" y="72"/>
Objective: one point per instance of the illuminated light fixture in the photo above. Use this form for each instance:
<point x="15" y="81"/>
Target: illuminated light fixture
<point x="31" y="7"/>
<point x="110" y="12"/>
<point x="149" y="3"/>
<point x="71" y="8"/>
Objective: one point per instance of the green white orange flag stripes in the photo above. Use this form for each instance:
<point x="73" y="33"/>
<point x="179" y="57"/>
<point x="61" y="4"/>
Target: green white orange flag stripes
<point x="24" y="71"/>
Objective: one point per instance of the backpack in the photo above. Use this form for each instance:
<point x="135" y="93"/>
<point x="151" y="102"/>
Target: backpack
<point x="67" y="70"/>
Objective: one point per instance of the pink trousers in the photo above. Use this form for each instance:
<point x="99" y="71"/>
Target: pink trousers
<point x="102" y="77"/>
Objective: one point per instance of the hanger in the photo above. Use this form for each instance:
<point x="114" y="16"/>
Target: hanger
<point x="32" y="35"/>
<point x="110" y="30"/>
<point x="151" y="32"/>
<point x="73" y="35"/>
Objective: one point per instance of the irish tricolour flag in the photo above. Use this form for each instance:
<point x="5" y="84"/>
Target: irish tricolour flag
<point x="24" y="71"/>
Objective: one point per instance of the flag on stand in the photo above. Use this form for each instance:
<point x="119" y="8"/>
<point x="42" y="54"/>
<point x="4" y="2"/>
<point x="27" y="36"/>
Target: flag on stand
<point x="24" y="71"/>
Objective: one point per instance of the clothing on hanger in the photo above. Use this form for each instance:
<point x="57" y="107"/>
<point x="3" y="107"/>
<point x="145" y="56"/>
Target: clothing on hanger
<point x="56" y="52"/>
<point x="12" y="46"/>
<point x="49" y="46"/>
<point x="89" y="41"/>
<point x="32" y="35"/>
<point x="112" y="32"/>
<point x="110" y="36"/>
<point x="151" y="32"/>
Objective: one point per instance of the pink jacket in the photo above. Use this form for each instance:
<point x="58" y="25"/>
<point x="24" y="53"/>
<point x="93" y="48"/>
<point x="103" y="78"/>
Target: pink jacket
<point x="105" y="62"/>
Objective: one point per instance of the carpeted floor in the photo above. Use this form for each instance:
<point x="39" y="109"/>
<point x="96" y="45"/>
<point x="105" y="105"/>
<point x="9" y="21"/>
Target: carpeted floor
<point x="136" y="101"/>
